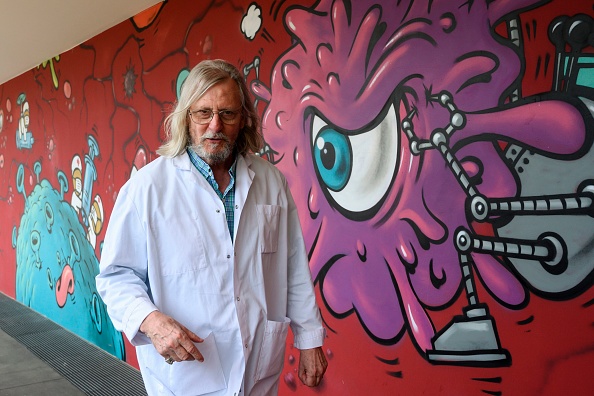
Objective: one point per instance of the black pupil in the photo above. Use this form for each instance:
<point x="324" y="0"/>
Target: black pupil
<point x="328" y="156"/>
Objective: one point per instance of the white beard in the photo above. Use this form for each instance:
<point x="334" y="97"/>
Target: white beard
<point x="217" y="157"/>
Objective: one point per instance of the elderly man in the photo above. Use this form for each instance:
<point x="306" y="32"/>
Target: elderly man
<point x="204" y="265"/>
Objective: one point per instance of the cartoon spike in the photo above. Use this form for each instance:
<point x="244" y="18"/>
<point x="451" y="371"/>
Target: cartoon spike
<point x="37" y="169"/>
<point x="63" y="180"/>
<point x="20" y="180"/>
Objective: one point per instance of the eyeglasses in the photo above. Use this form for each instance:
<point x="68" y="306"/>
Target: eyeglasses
<point x="204" y="116"/>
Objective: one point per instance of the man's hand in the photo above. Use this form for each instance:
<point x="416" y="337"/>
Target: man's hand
<point x="170" y="338"/>
<point x="312" y="366"/>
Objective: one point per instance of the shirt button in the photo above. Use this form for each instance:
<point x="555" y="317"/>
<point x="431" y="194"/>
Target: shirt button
<point x="237" y="298"/>
<point x="245" y="345"/>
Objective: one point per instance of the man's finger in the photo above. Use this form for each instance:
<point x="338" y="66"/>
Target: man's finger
<point x="193" y="336"/>
<point x="308" y="380"/>
<point x="190" y="350"/>
<point x="188" y="345"/>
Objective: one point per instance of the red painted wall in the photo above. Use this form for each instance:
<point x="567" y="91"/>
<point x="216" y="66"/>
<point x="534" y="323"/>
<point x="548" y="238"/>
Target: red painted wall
<point x="439" y="152"/>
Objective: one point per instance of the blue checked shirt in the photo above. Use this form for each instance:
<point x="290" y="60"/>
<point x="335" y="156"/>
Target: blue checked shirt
<point x="228" y="197"/>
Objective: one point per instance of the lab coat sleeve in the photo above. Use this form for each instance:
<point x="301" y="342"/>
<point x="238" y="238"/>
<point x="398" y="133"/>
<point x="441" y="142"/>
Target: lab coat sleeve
<point x="302" y="309"/>
<point x="122" y="280"/>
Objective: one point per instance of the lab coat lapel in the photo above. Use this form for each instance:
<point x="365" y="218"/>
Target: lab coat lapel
<point x="244" y="176"/>
<point x="191" y="176"/>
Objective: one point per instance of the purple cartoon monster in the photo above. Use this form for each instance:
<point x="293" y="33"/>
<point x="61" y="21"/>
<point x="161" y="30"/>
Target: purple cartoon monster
<point x="386" y="120"/>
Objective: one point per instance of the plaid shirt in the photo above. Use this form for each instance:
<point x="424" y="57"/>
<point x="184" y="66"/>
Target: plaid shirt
<point x="228" y="197"/>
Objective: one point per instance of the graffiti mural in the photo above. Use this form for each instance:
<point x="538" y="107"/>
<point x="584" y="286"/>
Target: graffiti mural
<point x="56" y="264"/>
<point x="439" y="153"/>
<point x="421" y="154"/>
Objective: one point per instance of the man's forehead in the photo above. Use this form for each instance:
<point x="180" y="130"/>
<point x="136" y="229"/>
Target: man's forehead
<point x="221" y="92"/>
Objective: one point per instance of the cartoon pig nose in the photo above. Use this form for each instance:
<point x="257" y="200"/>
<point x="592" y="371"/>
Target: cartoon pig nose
<point x="64" y="285"/>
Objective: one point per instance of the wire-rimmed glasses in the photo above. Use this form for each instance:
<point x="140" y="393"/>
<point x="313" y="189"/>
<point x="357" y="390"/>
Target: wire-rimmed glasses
<point x="204" y="116"/>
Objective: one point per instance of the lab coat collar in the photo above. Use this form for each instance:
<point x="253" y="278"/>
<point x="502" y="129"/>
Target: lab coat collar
<point x="244" y="175"/>
<point x="183" y="162"/>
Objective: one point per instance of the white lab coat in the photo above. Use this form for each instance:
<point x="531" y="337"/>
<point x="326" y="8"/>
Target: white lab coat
<point x="168" y="247"/>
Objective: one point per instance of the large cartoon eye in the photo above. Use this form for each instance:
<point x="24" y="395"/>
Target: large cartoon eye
<point x="333" y="157"/>
<point x="356" y="168"/>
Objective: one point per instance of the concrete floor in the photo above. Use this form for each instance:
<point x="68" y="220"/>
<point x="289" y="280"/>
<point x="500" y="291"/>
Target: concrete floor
<point x="22" y="373"/>
<point x="39" y="358"/>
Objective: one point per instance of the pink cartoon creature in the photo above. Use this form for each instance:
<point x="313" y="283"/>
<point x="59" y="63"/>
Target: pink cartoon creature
<point x="413" y="160"/>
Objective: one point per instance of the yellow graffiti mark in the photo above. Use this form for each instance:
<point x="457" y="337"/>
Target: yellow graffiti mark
<point x="53" y="71"/>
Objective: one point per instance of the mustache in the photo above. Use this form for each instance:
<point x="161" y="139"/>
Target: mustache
<point x="214" y="135"/>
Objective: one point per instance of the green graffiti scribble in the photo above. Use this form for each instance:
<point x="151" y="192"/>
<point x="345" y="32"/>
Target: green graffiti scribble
<point x="51" y="65"/>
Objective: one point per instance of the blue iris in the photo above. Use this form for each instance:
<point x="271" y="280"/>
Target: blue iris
<point x="333" y="158"/>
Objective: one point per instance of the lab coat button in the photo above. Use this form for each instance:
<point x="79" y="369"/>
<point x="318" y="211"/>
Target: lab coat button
<point x="228" y="256"/>
<point x="218" y="211"/>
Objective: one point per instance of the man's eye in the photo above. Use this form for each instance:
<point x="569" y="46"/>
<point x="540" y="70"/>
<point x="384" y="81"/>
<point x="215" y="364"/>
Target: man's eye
<point x="202" y="113"/>
<point x="227" y="113"/>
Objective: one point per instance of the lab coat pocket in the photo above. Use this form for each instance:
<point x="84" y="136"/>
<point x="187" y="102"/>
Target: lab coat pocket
<point x="192" y="378"/>
<point x="268" y="221"/>
<point x="272" y="352"/>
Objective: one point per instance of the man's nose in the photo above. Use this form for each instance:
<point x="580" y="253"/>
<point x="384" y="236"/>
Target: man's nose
<point x="216" y="123"/>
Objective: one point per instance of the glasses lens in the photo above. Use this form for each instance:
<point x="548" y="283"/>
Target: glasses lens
<point x="201" y="116"/>
<point x="204" y="116"/>
<point x="228" y="116"/>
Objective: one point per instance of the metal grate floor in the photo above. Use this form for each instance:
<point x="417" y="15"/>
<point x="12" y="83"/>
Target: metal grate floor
<point x="89" y="368"/>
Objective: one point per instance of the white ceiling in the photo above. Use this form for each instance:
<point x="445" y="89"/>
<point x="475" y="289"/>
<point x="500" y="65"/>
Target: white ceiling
<point x="33" y="31"/>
